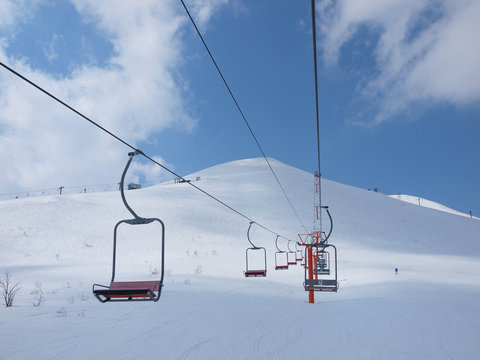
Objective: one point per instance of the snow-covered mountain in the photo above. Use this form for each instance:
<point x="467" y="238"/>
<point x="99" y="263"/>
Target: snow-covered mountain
<point x="60" y="245"/>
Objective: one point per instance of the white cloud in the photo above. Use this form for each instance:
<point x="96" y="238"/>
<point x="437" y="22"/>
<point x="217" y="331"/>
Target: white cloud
<point x="153" y="173"/>
<point x="427" y="51"/>
<point x="49" y="48"/>
<point x="14" y="11"/>
<point x="136" y="96"/>
<point x="203" y="10"/>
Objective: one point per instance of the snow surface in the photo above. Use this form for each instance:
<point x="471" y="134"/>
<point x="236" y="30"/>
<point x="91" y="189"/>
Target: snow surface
<point x="208" y="309"/>
<point x="427" y="203"/>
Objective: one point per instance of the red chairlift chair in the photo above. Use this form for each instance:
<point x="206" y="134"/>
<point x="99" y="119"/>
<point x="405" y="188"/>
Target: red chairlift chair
<point x="291" y="255"/>
<point x="257" y="272"/>
<point x="281" y="258"/>
<point x="131" y="290"/>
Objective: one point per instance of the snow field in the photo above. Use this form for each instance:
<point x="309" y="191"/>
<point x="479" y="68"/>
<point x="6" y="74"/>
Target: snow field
<point x="208" y="309"/>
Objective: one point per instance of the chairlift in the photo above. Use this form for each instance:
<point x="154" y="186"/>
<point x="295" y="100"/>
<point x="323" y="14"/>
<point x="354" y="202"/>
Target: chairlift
<point x="302" y="242"/>
<point x="259" y="271"/>
<point x="298" y="253"/>
<point x="281" y="258"/>
<point x="291" y="255"/>
<point x="322" y="281"/>
<point x="131" y="290"/>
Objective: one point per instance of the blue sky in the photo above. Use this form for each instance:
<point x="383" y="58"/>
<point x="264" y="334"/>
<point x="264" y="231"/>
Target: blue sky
<point x="398" y="80"/>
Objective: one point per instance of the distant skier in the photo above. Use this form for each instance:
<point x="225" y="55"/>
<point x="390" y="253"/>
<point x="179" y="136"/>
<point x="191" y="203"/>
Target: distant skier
<point x="396" y="271"/>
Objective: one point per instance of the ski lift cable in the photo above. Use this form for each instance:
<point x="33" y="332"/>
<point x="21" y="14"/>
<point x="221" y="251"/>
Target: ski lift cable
<point x="242" y="114"/>
<point x="132" y="147"/>
<point x="314" y="37"/>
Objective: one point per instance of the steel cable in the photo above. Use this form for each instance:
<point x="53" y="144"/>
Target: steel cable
<point x="134" y="148"/>
<point x="242" y="114"/>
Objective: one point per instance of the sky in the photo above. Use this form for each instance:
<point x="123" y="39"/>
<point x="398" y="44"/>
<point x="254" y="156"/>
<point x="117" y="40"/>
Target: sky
<point x="399" y="88"/>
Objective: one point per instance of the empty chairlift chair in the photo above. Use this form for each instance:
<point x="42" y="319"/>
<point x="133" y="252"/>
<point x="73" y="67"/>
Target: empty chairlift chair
<point x="298" y="254"/>
<point x="281" y="258"/>
<point x="132" y="290"/>
<point x="259" y="269"/>
<point x="291" y="255"/>
<point x="323" y="281"/>
<point x="305" y="240"/>
<point x="326" y="272"/>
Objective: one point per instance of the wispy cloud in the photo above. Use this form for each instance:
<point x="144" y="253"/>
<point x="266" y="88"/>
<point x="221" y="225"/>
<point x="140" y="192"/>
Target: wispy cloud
<point x="49" y="48"/>
<point x="136" y="95"/>
<point x="427" y="51"/>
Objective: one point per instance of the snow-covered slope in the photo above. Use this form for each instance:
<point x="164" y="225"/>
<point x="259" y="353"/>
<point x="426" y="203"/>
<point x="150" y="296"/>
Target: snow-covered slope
<point x="427" y="203"/>
<point x="208" y="309"/>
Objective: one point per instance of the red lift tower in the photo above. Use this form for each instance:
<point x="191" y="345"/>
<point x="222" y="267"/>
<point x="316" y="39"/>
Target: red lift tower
<point x="308" y="240"/>
<point x="316" y="245"/>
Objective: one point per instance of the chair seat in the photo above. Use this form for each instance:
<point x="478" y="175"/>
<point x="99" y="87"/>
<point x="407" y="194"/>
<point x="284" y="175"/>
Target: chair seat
<point x="320" y="288"/>
<point x="254" y="273"/>
<point x="320" y="285"/>
<point x="129" y="290"/>
<point x="135" y="285"/>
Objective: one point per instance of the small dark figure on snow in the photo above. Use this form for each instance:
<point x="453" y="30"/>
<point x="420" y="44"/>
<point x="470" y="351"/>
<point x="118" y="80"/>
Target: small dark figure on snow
<point x="396" y="271"/>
